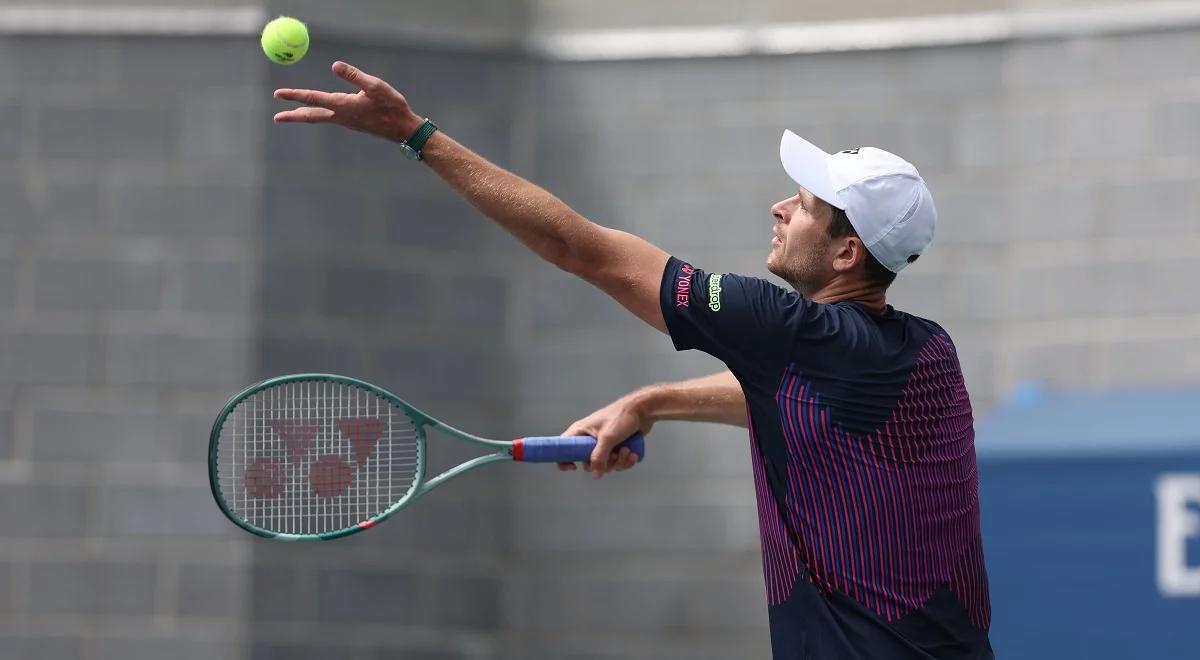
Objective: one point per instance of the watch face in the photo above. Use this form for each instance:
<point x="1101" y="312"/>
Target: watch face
<point x="409" y="152"/>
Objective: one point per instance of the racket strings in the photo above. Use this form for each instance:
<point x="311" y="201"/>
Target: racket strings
<point x="312" y="457"/>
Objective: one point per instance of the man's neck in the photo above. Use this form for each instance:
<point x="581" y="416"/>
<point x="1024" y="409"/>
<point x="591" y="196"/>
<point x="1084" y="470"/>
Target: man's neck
<point x="871" y="297"/>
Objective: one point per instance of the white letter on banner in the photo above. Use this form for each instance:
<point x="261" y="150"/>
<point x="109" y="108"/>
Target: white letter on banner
<point x="1177" y="522"/>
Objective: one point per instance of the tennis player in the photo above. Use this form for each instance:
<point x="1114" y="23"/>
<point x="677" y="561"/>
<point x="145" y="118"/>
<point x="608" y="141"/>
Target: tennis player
<point x="860" y="426"/>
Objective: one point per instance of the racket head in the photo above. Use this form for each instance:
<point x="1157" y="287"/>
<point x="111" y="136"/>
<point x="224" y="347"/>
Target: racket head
<point x="315" y="456"/>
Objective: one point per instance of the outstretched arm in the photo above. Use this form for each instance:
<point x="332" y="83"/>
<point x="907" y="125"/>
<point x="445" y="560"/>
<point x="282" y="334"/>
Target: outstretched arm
<point x="622" y="265"/>
<point x="717" y="398"/>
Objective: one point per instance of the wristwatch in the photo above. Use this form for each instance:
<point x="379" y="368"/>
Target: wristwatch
<point x="416" y="142"/>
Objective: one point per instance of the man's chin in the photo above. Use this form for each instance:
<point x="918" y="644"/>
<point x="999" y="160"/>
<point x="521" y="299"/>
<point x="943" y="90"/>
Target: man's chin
<point x="774" y="268"/>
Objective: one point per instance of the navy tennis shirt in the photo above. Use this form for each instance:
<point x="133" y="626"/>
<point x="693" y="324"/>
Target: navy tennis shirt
<point x="863" y="451"/>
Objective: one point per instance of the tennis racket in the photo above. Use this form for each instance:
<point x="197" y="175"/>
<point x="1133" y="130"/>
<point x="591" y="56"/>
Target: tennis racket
<point x="318" y="457"/>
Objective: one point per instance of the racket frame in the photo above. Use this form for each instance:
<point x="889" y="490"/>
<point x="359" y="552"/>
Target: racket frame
<point x="420" y="486"/>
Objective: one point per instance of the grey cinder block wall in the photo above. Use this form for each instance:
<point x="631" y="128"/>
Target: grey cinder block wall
<point x="163" y="244"/>
<point x="132" y="205"/>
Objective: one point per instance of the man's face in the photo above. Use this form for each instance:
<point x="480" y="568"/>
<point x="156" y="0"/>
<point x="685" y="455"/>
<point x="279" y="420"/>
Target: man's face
<point x="801" y="250"/>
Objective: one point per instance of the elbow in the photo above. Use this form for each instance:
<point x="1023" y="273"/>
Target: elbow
<point x="562" y="257"/>
<point x="564" y="250"/>
<point x="590" y="255"/>
<point x="558" y="254"/>
<point x="574" y="259"/>
<point x="594" y="269"/>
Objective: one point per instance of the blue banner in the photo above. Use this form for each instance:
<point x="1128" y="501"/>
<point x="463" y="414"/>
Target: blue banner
<point x="1093" y="557"/>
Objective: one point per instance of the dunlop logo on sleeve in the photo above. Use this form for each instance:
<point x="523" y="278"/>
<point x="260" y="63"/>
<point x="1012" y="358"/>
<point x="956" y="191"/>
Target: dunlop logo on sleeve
<point x="714" y="292"/>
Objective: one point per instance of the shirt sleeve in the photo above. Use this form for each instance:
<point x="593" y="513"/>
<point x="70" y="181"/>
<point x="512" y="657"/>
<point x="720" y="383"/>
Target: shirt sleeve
<point x="738" y="320"/>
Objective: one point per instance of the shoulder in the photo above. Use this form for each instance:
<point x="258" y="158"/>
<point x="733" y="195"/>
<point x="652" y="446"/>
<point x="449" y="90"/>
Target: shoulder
<point x="743" y="293"/>
<point x="933" y="328"/>
<point x="930" y="336"/>
<point x="893" y="333"/>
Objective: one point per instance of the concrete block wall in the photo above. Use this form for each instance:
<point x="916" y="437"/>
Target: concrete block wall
<point x="472" y="23"/>
<point x="583" y="15"/>
<point x="131" y="191"/>
<point x="165" y="244"/>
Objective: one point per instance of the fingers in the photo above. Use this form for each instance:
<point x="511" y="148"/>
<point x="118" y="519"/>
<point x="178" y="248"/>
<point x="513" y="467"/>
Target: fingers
<point x="624" y="460"/>
<point x="618" y="461"/>
<point x="305" y="116"/>
<point x="354" y="76"/>
<point x="603" y="452"/>
<point x="309" y="97"/>
<point x="578" y="428"/>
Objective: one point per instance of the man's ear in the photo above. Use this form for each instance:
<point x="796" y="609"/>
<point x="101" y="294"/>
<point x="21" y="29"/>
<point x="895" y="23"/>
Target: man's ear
<point x="850" y="253"/>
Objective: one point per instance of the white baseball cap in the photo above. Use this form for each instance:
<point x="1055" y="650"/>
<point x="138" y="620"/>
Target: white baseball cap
<point x="884" y="197"/>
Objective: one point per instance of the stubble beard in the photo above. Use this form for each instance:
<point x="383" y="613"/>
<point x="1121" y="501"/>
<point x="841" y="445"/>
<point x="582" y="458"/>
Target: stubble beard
<point x="802" y="271"/>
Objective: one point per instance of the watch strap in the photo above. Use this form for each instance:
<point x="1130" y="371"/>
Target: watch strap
<point x="417" y="140"/>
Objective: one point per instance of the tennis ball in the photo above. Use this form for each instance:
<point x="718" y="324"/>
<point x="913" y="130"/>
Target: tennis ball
<point x="285" y="40"/>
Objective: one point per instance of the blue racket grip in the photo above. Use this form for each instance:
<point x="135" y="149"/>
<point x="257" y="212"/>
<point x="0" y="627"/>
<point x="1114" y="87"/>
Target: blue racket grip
<point x="563" y="449"/>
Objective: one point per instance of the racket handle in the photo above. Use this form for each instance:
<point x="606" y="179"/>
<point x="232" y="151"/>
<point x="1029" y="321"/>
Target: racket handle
<point x="563" y="449"/>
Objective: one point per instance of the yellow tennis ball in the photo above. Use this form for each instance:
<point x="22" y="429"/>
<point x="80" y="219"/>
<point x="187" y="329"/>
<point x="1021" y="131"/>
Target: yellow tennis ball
<point x="285" y="40"/>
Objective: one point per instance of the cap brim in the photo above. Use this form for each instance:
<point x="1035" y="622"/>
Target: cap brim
<point x="808" y="166"/>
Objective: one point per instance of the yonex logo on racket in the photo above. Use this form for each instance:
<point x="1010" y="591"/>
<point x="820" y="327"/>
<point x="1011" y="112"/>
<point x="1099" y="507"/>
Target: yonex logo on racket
<point x="328" y="475"/>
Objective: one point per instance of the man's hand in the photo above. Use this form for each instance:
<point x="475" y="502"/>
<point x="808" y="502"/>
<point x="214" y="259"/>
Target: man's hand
<point x="611" y="425"/>
<point x="717" y="398"/>
<point x="377" y="108"/>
